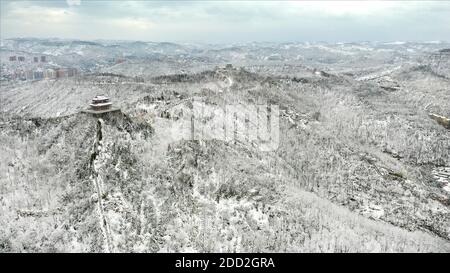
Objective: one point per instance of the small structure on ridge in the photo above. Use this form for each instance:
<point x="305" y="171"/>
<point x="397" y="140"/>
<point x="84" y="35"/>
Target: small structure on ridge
<point x="100" y="104"/>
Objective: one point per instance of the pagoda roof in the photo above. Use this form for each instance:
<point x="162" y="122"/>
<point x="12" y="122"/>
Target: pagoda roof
<point x="100" y="104"/>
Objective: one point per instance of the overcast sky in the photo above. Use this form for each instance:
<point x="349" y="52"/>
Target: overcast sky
<point x="228" y="21"/>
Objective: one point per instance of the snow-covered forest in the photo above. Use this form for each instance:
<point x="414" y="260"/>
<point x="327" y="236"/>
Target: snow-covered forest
<point x="362" y="163"/>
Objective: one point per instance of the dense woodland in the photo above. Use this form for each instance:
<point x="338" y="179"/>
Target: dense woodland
<point x="354" y="171"/>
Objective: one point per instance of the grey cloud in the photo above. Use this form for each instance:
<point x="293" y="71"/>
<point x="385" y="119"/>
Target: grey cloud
<point x="228" y="21"/>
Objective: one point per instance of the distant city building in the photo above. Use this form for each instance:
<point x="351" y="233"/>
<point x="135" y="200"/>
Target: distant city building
<point x="60" y="73"/>
<point x="50" y="73"/>
<point x="38" y="75"/>
<point x="36" y="59"/>
<point x="12" y="58"/>
<point x="16" y="75"/>
<point x="43" y="59"/>
<point x="20" y="75"/>
<point x="71" y="72"/>
<point x="29" y="75"/>
<point x="21" y="59"/>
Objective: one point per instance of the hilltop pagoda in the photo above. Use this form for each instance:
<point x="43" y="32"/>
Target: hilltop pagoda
<point x="100" y="104"/>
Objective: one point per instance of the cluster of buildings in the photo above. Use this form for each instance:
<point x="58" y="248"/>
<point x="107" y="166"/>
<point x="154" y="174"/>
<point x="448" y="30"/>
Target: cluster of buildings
<point x="40" y="74"/>
<point x="43" y="59"/>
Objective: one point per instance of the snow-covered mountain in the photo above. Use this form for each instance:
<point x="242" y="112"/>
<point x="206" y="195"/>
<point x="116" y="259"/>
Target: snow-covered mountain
<point x="360" y="166"/>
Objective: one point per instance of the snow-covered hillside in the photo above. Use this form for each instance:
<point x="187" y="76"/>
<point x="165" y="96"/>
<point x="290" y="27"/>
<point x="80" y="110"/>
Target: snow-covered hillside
<point x="359" y="167"/>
